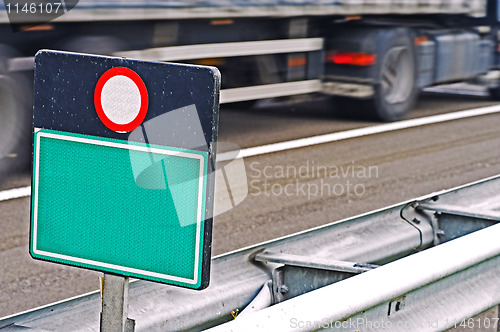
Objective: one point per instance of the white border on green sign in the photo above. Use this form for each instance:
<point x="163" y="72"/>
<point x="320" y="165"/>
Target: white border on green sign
<point x="136" y="147"/>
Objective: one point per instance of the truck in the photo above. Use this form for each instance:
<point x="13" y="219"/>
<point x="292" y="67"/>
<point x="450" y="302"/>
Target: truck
<point x="373" y="56"/>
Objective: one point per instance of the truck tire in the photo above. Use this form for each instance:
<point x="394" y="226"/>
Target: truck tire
<point x="395" y="92"/>
<point x="15" y="123"/>
<point x="15" y="114"/>
<point x="495" y="93"/>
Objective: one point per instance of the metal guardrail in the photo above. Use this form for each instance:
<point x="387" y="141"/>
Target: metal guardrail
<point x="430" y="291"/>
<point x="279" y="272"/>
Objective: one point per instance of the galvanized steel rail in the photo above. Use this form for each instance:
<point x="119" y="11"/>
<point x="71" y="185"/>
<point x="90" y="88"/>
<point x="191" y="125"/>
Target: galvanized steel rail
<point x="340" y="251"/>
<point x="433" y="290"/>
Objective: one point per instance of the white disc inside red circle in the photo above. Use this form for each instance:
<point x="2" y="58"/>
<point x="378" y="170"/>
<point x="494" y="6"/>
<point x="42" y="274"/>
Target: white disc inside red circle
<point x="121" y="99"/>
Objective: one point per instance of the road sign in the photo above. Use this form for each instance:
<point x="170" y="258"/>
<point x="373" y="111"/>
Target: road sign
<point x="121" y="99"/>
<point x="123" y="163"/>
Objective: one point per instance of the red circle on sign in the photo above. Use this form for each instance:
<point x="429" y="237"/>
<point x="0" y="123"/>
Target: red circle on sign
<point x="121" y="127"/>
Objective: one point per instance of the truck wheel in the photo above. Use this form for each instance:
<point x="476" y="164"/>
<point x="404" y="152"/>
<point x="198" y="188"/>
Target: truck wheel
<point x="15" y="123"/>
<point x="396" y="91"/>
<point x="15" y="114"/>
<point x="495" y="93"/>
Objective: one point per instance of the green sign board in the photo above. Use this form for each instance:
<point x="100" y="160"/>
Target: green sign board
<point x="88" y="209"/>
<point x="123" y="171"/>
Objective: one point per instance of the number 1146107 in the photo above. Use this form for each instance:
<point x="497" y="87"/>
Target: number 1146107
<point x="34" y="8"/>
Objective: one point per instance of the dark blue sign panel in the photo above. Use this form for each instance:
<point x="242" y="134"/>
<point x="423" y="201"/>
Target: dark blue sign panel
<point x="123" y="164"/>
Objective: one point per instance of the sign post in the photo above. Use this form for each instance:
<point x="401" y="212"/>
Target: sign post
<point x="114" y="306"/>
<point x="123" y="162"/>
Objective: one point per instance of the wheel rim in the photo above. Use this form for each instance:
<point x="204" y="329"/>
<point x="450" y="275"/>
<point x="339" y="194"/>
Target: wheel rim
<point x="397" y="75"/>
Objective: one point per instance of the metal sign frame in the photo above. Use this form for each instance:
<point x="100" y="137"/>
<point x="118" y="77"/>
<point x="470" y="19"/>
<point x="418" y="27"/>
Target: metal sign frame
<point x="85" y="234"/>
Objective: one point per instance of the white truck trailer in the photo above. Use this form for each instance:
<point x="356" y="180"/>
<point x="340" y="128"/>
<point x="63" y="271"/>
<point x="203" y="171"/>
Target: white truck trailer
<point x="373" y="55"/>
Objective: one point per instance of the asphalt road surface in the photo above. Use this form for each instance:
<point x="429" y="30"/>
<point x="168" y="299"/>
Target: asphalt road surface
<point x="288" y="191"/>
